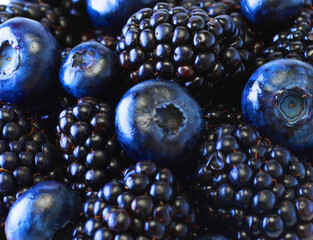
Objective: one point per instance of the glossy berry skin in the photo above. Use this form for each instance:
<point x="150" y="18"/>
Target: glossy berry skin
<point x="278" y="101"/>
<point x="26" y="157"/>
<point x="270" y="12"/>
<point x="30" y="57"/>
<point x="41" y="211"/>
<point x="147" y="203"/>
<point x="293" y="40"/>
<point x="89" y="152"/>
<point x="160" y="121"/>
<point x="52" y="17"/>
<point x="88" y="69"/>
<point x="259" y="190"/>
<point x="111" y="15"/>
<point x="203" y="53"/>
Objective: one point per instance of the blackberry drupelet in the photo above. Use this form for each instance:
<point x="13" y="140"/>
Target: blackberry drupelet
<point x="90" y="152"/>
<point x="26" y="157"/>
<point x="215" y="114"/>
<point x="144" y="204"/>
<point x="261" y="191"/>
<point x="203" y="54"/>
<point x="294" y="40"/>
<point x="53" y="19"/>
<point x="109" y="41"/>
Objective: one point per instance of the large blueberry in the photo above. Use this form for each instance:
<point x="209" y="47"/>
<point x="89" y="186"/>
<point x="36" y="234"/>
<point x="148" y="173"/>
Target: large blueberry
<point x="278" y="100"/>
<point x="29" y="61"/>
<point x="88" y="69"/>
<point x="270" y="12"/>
<point x="41" y="211"/>
<point x="159" y="120"/>
<point x="111" y="15"/>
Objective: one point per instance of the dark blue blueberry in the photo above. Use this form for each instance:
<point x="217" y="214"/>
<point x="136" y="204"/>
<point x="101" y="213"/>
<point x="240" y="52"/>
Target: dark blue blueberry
<point x="88" y="70"/>
<point x="270" y="12"/>
<point x="159" y="120"/>
<point x="111" y="15"/>
<point x="278" y="101"/>
<point x="41" y="211"/>
<point x="29" y="61"/>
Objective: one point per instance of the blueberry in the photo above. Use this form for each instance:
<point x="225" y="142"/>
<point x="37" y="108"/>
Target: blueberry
<point x="159" y="120"/>
<point x="41" y="211"/>
<point x="88" y="70"/>
<point x="111" y="15"/>
<point x="270" y="12"/>
<point x="29" y="61"/>
<point x="278" y="101"/>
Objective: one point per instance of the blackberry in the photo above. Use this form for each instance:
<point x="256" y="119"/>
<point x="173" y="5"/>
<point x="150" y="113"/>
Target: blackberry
<point x="26" y="156"/>
<point x="250" y="34"/>
<point x="52" y="18"/>
<point x="90" y="152"/>
<point x="144" y="204"/>
<point x="203" y="54"/>
<point x="262" y="191"/>
<point x="294" y="40"/>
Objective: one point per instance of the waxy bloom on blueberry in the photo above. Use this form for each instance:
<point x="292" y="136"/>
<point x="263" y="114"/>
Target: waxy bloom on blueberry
<point x="88" y="70"/>
<point x="41" y="211"/>
<point x="111" y="15"/>
<point x="278" y="101"/>
<point x="270" y="13"/>
<point x="29" y="61"/>
<point x="159" y="120"/>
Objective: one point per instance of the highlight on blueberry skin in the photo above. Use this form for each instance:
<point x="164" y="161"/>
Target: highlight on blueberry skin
<point x="270" y="13"/>
<point x="42" y="210"/>
<point x="111" y="15"/>
<point x="277" y="100"/>
<point x="88" y="70"/>
<point x="29" y="60"/>
<point x="159" y="120"/>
